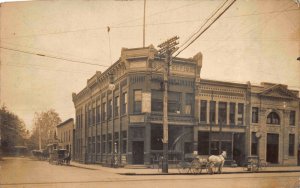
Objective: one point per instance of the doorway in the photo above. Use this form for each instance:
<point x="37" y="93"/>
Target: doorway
<point x="238" y="150"/>
<point x="272" y="148"/>
<point x="137" y="152"/>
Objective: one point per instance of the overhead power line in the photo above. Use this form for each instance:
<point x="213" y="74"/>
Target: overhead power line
<point x="207" y="20"/>
<point x="117" y="25"/>
<point x="49" y="51"/>
<point x="207" y="27"/>
<point x="215" y="12"/>
<point x="53" y="57"/>
<point x="138" y="25"/>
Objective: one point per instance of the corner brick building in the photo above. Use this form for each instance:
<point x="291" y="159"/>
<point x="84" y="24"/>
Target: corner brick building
<point x="119" y="114"/>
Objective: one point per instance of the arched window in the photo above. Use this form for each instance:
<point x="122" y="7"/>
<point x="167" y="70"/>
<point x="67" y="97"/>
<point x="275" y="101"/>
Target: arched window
<point x="273" y="118"/>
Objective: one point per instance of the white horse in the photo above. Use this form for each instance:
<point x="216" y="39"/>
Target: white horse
<point x="216" y="161"/>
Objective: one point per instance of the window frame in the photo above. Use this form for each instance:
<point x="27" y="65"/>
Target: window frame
<point x="255" y="115"/>
<point x="203" y="111"/>
<point x="292" y="118"/>
<point x="137" y="101"/>
<point x="292" y="145"/>
<point x="273" y="118"/>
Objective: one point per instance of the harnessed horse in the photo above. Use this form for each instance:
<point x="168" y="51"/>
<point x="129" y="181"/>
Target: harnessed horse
<point x="216" y="161"/>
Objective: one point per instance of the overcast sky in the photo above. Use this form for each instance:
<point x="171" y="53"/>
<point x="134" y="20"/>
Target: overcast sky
<point x="256" y="41"/>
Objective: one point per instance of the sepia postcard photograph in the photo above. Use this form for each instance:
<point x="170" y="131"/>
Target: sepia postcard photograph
<point x="150" y="93"/>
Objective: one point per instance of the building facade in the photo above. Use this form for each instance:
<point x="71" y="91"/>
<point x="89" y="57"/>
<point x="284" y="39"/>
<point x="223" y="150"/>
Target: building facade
<point x="249" y="120"/>
<point x="119" y="114"/>
<point x="65" y="131"/>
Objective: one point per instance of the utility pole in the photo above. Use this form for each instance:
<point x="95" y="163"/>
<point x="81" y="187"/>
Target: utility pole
<point x="167" y="48"/>
<point x="0" y="137"/>
<point x="144" y="23"/>
<point x="220" y="136"/>
<point x="40" y="138"/>
<point x="210" y="123"/>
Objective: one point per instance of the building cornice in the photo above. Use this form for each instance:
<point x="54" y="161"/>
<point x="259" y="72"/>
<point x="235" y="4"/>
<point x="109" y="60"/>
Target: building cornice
<point x="65" y="122"/>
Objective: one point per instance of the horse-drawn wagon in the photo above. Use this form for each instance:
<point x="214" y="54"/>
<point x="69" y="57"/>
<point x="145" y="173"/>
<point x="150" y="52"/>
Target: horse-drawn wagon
<point x="254" y="164"/>
<point x="59" y="157"/>
<point x="198" y="164"/>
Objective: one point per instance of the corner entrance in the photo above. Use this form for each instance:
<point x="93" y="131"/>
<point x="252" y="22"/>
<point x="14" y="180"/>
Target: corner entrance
<point x="272" y="148"/>
<point x="137" y="152"/>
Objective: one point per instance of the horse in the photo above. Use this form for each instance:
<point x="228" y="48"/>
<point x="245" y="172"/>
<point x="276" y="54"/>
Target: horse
<point x="216" y="161"/>
<point x="67" y="159"/>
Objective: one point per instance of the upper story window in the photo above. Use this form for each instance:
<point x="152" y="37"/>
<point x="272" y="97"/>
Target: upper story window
<point x="254" y="114"/>
<point x="203" y="110"/>
<point x="189" y="103"/>
<point x="90" y="114"/>
<point x="273" y="118"/>
<point x="292" y="117"/>
<point x="103" y="111"/>
<point x="93" y="115"/>
<point x="117" y="104"/>
<point x="174" y="102"/>
<point x="137" y="102"/>
<point x="124" y="103"/>
<point x="109" y="109"/>
<point x="212" y="112"/>
<point x="156" y="101"/>
<point x="240" y="114"/>
<point x="98" y="112"/>
<point x="222" y="112"/>
<point x="231" y="113"/>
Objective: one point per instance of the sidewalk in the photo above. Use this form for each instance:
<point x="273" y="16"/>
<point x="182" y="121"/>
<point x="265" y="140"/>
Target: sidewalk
<point x="174" y="171"/>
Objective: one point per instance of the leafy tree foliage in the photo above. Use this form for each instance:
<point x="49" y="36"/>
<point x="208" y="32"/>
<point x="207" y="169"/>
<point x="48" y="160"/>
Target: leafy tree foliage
<point x="12" y="130"/>
<point x="44" y="123"/>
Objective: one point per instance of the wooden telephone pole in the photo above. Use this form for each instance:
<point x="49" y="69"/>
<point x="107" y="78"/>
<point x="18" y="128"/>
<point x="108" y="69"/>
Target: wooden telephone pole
<point x="167" y="48"/>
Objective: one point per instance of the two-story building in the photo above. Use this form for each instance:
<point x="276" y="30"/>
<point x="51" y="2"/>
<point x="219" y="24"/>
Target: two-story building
<point x="249" y="120"/>
<point x="119" y="113"/>
<point x="65" y="131"/>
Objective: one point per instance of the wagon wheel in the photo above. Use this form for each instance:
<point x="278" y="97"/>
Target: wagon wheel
<point x="211" y="168"/>
<point x="204" y="167"/>
<point x="183" y="167"/>
<point x="262" y="165"/>
<point x="254" y="168"/>
<point x="196" y="167"/>
<point x="245" y="167"/>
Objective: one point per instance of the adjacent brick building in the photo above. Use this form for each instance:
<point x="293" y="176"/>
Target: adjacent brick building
<point x="119" y="113"/>
<point x="65" y="134"/>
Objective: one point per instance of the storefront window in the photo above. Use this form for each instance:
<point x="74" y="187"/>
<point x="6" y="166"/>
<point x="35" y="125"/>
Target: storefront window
<point x="291" y="144"/>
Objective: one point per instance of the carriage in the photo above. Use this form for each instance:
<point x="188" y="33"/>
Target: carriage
<point x="59" y="157"/>
<point x="40" y="154"/>
<point x="254" y="164"/>
<point x="197" y="164"/>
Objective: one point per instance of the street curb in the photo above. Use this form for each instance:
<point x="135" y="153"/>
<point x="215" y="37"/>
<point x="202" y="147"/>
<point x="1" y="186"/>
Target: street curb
<point x="191" y="174"/>
<point x="82" y="167"/>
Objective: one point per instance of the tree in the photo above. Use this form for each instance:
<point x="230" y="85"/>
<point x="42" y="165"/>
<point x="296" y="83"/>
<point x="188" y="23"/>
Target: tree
<point x="12" y="130"/>
<point x="45" y="123"/>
